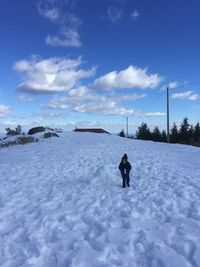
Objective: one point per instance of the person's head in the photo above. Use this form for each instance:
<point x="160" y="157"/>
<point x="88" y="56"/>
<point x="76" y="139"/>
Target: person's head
<point x="124" y="158"/>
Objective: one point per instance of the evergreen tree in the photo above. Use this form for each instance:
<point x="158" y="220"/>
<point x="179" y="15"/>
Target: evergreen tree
<point x="174" y="135"/>
<point x="164" y="136"/>
<point x="191" y="134"/>
<point x="197" y="132"/>
<point x="156" y="135"/>
<point x="122" y="133"/>
<point x="17" y="131"/>
<point x="143" y="132"/>
<point x="184" y="131"/>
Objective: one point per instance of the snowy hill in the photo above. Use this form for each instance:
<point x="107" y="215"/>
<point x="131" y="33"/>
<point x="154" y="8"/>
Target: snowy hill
<point x="62" y="204"/>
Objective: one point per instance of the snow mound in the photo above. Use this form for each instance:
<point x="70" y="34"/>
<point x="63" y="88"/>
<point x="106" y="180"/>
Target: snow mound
<point x="62" y="204"/>
<point x="22" y="139"/>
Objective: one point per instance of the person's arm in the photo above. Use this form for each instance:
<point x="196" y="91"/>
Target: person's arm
<point x="128" y="167"/>
<point x="121" y="167"/>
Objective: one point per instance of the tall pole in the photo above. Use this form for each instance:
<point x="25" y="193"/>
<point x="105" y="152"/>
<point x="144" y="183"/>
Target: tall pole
<point x="127" y="126"/>
<point x="168" y="139"/>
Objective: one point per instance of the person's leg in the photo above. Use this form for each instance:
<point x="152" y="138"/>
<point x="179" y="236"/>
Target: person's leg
<point x="128" y="180"/>
<point x="124" y="180"/>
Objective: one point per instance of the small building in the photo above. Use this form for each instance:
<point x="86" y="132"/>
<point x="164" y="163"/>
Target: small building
<point x="91" y="130"/>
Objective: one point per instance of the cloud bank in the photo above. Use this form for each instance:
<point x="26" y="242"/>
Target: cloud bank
<point x="83" y="100"/>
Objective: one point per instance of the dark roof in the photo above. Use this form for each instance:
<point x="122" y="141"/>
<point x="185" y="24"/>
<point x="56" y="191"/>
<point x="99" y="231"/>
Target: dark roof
<point x="91" y="130"/>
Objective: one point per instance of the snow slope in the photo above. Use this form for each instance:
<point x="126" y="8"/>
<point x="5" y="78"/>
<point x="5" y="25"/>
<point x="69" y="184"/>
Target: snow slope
<point x="62" y="204"/>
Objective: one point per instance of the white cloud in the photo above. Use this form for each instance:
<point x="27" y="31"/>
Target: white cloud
<point x="135" y="14"/>
<point x="114" y="14"/>
<point x="48" y="9"/>
<point x="107" y="107"/>
<point x="4" y="111"/>
<point x="67" y="38"/>
<point x="83" y="100"/>
<point x="53" y="115"/>
<point x="132" y="77"/>
<point x="74" y="97"/>
<point x="110" y="107"/>
<point x="80" y="92"/>
<point x="173" y="85"/>
<point x="50" y="75"/>
<point x="68" y="35"/>
<point x="189" y="95"/>
<point x="25" y="99"/>
<point x="58" y="103"/>
<point x="154" y="114"/>
<point x="132" y="97"/>
<point x="50" y="115"/>
<point x="22" y="65"/>
<point x="38" y="121"/>
<point x="49" y="13"/>
<point x="72" y="20"/>
<point x="58" y="14"/>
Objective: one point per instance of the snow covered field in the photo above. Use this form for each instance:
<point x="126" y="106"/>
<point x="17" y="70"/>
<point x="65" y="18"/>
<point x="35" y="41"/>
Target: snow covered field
<point x="62" y="204"/>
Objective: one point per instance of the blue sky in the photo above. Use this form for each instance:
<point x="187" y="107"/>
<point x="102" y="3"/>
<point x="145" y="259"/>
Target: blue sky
<point x="73" y="63"/>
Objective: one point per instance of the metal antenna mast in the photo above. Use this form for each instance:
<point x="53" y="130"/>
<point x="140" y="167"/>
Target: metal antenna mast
<point x="168" y="139"/>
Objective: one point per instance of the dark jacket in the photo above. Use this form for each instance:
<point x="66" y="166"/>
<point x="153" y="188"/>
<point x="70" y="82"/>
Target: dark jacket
<point x="124" y="167"/>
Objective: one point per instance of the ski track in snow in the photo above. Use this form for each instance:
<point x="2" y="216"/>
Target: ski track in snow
<point x="62" y="204"/>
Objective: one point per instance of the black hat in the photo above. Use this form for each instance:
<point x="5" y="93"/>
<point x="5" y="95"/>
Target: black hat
<point x="125" y="157"/>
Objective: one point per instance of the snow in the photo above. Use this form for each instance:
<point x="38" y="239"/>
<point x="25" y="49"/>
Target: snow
<point x="62" y="203"/>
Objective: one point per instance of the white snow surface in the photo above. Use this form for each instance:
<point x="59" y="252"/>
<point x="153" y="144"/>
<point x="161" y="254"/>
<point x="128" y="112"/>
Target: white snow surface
<point x="62" y="203"/>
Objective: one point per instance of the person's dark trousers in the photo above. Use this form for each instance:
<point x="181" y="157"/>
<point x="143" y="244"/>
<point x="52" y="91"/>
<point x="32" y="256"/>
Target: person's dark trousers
<point x="126" y="179"/>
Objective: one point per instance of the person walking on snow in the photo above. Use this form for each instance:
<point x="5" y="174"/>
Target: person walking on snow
<point x="125" y="168"/>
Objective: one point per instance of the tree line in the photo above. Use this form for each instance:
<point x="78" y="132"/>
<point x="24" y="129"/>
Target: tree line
<point x="186" y="133"/>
